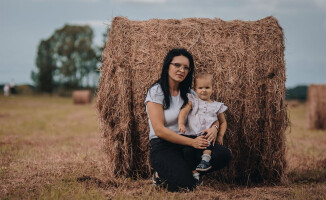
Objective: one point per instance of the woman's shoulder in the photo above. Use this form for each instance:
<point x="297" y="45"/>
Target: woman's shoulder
<point x="155" y="94"/>
<point x="155" y="89"/>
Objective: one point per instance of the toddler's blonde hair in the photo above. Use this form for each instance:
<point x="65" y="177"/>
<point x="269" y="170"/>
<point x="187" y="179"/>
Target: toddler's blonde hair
<point x="202" y="75"/>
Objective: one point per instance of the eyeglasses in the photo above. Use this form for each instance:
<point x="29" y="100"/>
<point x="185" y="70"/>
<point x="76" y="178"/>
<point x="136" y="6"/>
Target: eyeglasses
<point x="178" y="66"/>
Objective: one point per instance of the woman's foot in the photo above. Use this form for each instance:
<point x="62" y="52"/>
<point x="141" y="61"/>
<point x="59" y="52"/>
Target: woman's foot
<point x="156" y="179"/>
<point x="197" y="177"/>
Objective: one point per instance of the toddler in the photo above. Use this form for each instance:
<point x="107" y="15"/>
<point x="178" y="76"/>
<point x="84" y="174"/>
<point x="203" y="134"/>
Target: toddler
<point x="203" y="112"/>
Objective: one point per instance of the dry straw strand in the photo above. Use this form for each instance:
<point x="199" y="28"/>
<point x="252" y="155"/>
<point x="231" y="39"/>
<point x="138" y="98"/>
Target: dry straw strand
<point x="246" y="59"/>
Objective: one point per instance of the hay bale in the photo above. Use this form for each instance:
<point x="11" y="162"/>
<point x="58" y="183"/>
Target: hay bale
<point x="316" y="107"/>
<point x="82" y="96"/>
<point x="247" y="61"/>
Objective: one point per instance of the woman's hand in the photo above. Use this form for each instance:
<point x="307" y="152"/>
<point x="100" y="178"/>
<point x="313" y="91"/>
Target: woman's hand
<point x="211" y="134"/>
<point x="200" y="143"/>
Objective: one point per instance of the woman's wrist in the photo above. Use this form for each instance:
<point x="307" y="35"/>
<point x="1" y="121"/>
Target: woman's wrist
<point x="191" y="142"/>
<point x="215" y="128"/>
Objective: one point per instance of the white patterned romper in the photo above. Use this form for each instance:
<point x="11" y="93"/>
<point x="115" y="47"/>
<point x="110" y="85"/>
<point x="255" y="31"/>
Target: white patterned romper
<point x="203" y="114"/>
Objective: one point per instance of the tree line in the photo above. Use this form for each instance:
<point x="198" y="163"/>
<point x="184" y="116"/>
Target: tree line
<point x="67" y="60"/>
<point x="298" y="92"/>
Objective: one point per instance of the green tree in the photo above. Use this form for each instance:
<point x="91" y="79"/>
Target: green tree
<point x="66" y="59"/>
<point x="45" y="64"/>
<point x="298" y="92"/>
<point x="74" y="56"/>
<point x="98" y="51"/>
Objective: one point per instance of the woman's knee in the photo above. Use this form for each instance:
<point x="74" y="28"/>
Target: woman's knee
<point x="188" y="152"/>
<point x="226" y="152"/>
<point x="192" y="156"/>
<point x="221" y="156"/>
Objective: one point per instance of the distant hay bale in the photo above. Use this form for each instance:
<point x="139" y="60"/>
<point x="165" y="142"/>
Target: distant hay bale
<point x="247" y="61"/>
<point x="82" y="97"/>
<point x="316" y="107"/>
<point x="293" y="103"/>
<point x="25" y="89"/>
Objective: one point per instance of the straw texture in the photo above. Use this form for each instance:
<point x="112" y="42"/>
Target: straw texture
<point x="247" y="62"/>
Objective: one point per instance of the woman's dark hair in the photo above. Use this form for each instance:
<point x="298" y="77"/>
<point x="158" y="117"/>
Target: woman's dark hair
<point x="184" y="86"/>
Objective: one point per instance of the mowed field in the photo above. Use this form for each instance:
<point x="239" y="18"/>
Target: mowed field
<point x="51" y="149"/>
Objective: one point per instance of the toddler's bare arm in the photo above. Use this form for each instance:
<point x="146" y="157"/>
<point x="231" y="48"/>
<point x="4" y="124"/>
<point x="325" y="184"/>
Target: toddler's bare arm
<point x="223" y="125"/>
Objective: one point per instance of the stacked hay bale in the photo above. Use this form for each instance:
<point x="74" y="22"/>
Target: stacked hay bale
<point x="316" y="107"/>
<point x="247" y="61"/>
<point x="82" y="96"/>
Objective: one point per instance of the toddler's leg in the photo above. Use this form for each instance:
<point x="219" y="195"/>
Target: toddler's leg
<point x="208" y="152"/>
<point x="205" y="164"/>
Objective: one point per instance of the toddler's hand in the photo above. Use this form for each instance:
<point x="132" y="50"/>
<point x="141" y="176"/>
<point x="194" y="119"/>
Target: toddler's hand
<point x="182" y="128"/>
<point x="220" y="140"/>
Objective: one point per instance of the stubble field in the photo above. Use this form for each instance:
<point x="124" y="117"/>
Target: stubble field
<point x="51" y="149"/>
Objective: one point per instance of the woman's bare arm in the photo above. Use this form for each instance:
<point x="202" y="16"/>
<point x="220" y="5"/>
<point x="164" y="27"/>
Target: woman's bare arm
<point x="156" y="116"/>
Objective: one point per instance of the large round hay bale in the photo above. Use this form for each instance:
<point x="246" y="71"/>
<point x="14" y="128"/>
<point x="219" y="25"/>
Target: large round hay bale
<point x="316" y="107"/>
<point x="247" y="61"/>
<point x="82" y="96"/>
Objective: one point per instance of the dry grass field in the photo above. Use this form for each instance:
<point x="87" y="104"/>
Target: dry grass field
<point x="51" y="149"/>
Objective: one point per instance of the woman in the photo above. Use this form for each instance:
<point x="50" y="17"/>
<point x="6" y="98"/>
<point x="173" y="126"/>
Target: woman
<point x="172" y="155"/>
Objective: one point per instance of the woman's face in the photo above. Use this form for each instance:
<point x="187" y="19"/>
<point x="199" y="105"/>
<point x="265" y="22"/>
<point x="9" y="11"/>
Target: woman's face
<point x="179" y="69"/>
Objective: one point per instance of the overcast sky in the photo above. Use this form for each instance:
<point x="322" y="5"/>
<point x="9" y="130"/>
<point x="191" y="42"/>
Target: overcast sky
<point x="25" y="22"/>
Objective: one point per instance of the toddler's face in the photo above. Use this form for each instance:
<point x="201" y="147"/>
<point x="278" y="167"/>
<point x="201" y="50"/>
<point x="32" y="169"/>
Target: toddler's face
<point x="204" y="88"/>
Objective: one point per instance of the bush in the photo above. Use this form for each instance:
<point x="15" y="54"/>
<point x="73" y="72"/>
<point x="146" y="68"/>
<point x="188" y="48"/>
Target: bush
<point x="299" y="93"/>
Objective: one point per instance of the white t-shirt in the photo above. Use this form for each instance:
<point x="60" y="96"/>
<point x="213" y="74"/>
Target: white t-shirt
<point x="155" y="95"/>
